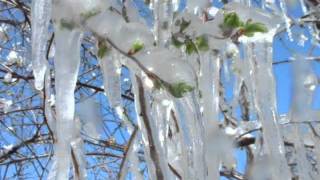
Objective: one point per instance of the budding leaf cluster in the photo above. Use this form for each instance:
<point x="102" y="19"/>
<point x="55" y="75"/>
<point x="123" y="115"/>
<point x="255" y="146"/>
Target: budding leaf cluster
<point x="191" y="45"/>
<point x="177" y="90"/>
<point x="232" y="21"/>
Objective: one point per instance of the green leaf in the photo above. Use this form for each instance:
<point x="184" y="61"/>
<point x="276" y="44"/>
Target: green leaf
<point x="103" y="49"/>
<point x="137" y="46"/>
<point x="176" y="42"/>
<point x="67" y="24"/>
<point x="232" y="20"/>
<point x="190" y="47"/>
<point x="179" y="89"/>
<point x="202" y="43"/>
<point x="89" y="14"/>
<point x="251" y="28"/>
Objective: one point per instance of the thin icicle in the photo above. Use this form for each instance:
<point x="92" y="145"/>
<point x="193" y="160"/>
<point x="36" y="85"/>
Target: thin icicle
<point x="111" y="70"/>
<point x="287" y="20"/>
<point x="163" y="15"/>
<point x="209" y="90"/>
<point x="77" y="154"/>
<point x="48" y="111"/>
<point x="41" y="14"/>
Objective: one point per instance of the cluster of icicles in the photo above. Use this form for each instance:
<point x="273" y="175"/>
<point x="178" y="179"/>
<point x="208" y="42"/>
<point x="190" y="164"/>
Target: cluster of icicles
<point x="181" y="137"/>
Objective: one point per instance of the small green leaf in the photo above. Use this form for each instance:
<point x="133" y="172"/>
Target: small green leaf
<point x="202" y="43"/>
<point x="232" y="20"/>
<point x="176" y="42"/>
<point x="137" y="46"/>
<point x="103" y="49"/>
<point x="89" y="14"/>
<point x="190" y="47"/>
<point x="67" y="24"/>
<point x="179" y="89"/>
<point x="251" y="28"/>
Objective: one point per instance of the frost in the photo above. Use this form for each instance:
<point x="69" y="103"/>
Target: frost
<point x="302" y="40"/>
<point x="8" y="77"/>
<point x="8" y="147"/>
<point x="5" y="104"/>
<point x="12" y="58"/>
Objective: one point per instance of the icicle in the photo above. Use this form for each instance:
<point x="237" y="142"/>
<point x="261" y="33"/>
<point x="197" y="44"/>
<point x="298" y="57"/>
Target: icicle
<point x="77" y="154"/>
<point x="41" y="14"/>
<point x="304" y="85"/>
<point x="141" y="125"/>
<point x="265" y="104"/>
<point x="111" y="70"/>
<point x="134" y="160"/>
<point x="209" y="90"/>
<point x="286" y="18"/>
<point x="67" y="61"/>
<point x="48" y="103"/>
<point x="131" y="160"/>
<point x="163" y="16"/>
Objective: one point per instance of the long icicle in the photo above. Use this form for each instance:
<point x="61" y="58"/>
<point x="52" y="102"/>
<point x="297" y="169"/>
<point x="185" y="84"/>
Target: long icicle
<point x="265" y="104"/>
<point x="40" y="15"/>
<point x="67" y="61"/>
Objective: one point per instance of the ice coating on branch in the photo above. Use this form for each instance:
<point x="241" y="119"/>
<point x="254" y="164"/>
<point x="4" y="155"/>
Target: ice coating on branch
<point x="40" y="15"/>
<point x="168" y="66"/>
<point x="69" y="12"/>
<point x="195" y="5"/>
<point x="180" y="136"/>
